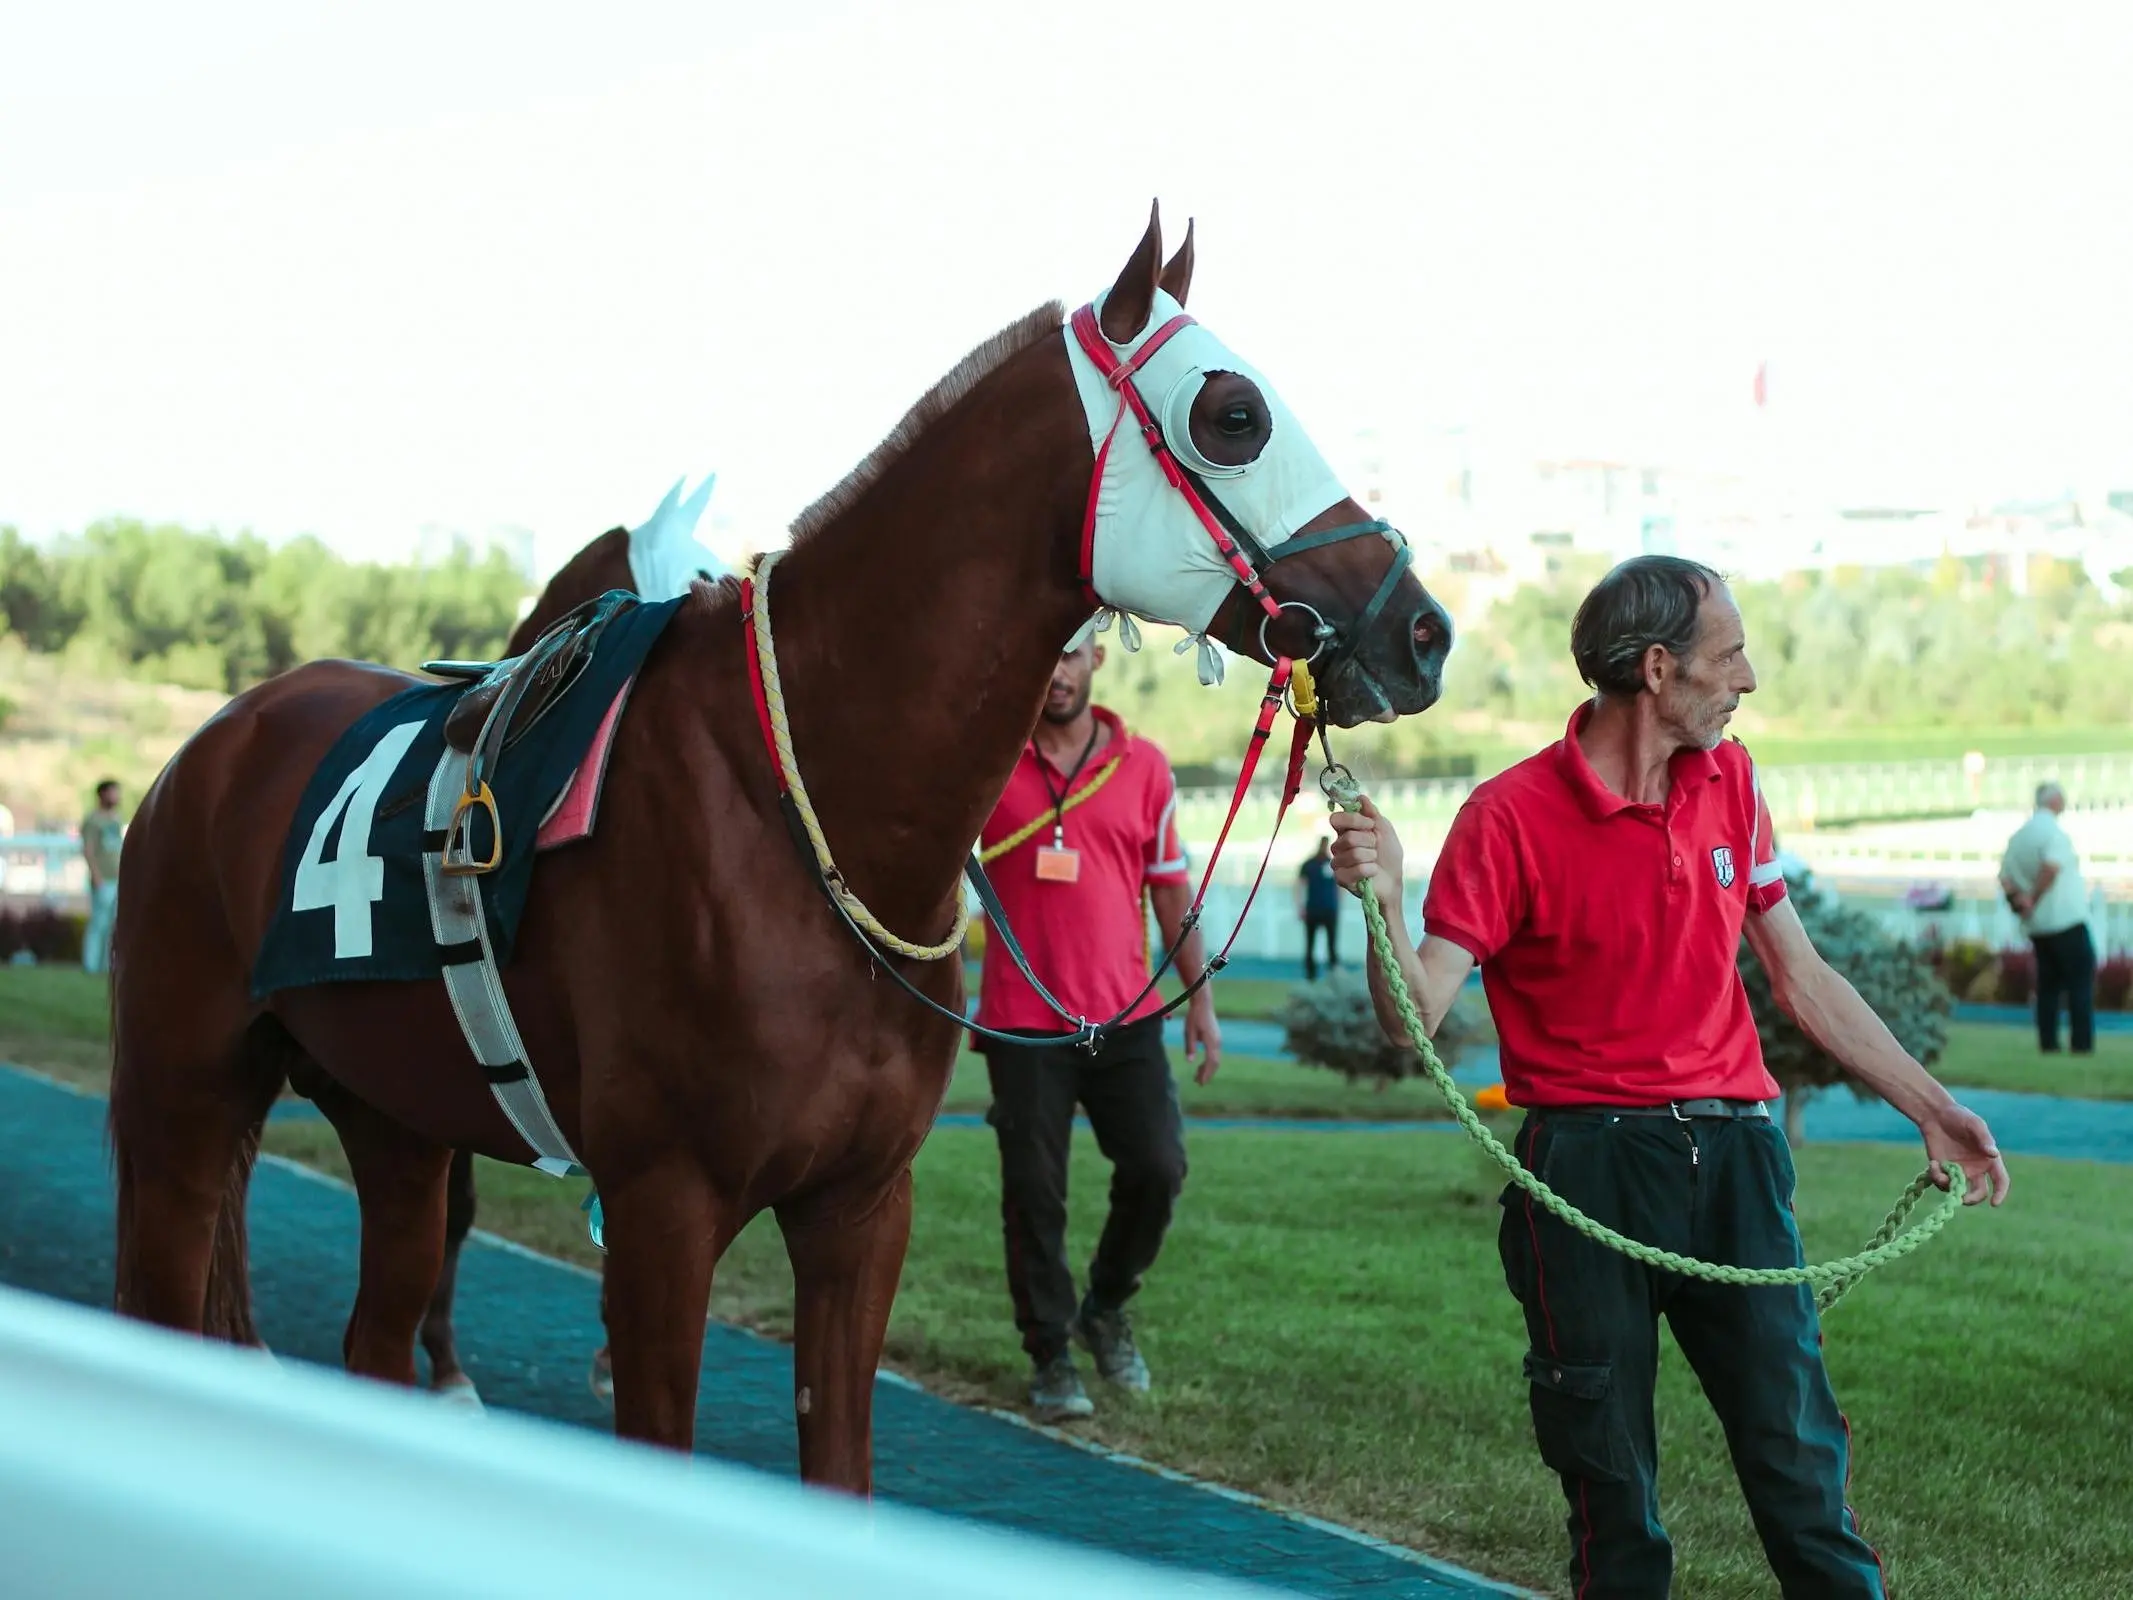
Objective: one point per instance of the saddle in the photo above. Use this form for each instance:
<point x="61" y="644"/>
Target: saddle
<point x="507" y="699"/>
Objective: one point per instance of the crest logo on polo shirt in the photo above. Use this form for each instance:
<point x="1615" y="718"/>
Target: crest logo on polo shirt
<point x="1722" y="864"/>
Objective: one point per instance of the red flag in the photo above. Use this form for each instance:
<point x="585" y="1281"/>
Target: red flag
<point x="1762" y="384"/>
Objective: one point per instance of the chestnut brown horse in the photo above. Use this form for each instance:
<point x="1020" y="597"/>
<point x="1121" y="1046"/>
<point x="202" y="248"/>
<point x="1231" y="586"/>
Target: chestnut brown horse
<point x="712" y="1039"/>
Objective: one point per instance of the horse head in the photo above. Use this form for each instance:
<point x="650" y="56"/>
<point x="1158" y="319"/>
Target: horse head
<point x="1210" y="508"/>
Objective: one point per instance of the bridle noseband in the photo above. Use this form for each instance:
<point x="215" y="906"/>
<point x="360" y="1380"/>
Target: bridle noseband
<point x="1248" y="558"/>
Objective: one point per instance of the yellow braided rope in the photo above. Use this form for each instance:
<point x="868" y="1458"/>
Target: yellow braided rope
<point x="781" y="733"/>
<point x="992" y="853"/>
<point x="1830" y="1279"/>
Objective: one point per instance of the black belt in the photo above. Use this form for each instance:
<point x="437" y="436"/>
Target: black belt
<point x="1679" y="1110"/>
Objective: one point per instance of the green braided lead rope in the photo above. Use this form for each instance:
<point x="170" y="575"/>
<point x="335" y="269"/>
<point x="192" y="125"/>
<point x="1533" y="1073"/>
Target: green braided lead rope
<point x="1831" y="1279"/>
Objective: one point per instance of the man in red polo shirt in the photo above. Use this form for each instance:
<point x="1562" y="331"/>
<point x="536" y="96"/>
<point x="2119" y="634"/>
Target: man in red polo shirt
<point x="1604" y="886"/>
<point x="1104" y="807"/>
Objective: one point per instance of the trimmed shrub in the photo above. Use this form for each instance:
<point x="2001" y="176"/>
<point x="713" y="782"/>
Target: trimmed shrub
<point x="1332" y="1024"/>
<point x="47" y="934"/>
<point x="2017" y="978"/>
<point x="2114" y="984"/>
<point x="1899" y="983"/>
<point x="1959" y="963"/>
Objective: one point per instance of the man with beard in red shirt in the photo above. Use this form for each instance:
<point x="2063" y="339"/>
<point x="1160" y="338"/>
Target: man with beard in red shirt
<point x="1104" y="803"/>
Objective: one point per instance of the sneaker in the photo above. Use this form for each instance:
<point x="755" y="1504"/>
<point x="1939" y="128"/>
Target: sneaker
<point x="1056" y="1394"/>
<point x="1108" y="1336"/>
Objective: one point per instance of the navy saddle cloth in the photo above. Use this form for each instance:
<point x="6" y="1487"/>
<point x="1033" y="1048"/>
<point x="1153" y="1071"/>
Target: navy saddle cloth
<point x="354" y="903"/>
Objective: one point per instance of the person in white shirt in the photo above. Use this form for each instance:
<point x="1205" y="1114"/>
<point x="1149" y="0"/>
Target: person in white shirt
<point x="2041" y="878"/>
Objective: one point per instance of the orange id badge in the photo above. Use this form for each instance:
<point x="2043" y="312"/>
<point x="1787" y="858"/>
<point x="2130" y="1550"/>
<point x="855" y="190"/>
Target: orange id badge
<point x="1057" y="864"/>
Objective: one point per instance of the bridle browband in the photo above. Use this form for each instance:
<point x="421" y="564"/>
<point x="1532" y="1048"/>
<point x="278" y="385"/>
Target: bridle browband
<point x="1248" y="558"/>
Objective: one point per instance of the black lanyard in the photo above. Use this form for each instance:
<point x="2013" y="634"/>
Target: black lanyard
<point x="1058" y="797"/>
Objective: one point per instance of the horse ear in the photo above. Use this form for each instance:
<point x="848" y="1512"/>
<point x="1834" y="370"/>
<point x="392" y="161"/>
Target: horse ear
<point x="1177" y="277"/>
<point x="1127" y="306"/>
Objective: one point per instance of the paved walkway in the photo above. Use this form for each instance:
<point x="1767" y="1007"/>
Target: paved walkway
<point x="527" y="1323"/>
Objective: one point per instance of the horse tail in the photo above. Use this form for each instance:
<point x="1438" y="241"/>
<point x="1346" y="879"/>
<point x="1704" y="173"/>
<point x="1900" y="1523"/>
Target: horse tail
<point x="229" y="1270"/>
<point x="118" y="1100"/>
<point x="227" y="1310"/>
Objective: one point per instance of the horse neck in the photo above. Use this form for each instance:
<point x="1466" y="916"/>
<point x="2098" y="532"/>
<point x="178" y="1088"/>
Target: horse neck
<point x="917" y="632"/>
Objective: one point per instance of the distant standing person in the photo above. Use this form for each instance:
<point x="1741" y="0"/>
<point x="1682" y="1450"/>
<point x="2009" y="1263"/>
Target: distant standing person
<point x="1096" y="812"/>
<point x="101" y="834"/>
<point x="1318" y="903"/>
<point x="2041" y="877"/>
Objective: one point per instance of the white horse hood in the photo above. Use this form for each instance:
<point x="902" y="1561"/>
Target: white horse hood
<point x="1152" y="557"/>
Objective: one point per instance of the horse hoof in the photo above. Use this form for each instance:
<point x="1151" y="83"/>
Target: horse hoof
<point x="459" y="1393"/>
<point x="602" y="1378"/>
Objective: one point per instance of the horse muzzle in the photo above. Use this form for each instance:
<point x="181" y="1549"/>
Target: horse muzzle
<point x="1397" y="671"/>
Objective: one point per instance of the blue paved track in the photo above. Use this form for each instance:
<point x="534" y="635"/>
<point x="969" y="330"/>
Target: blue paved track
<point x="2022" y="1124"/>
<point x="526" y="1325"/>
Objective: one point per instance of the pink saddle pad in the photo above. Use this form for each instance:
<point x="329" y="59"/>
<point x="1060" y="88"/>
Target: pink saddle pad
<point x="572" y="816"/>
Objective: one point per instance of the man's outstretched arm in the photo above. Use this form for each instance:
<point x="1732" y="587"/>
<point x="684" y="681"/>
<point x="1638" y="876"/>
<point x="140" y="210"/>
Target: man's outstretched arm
<point x="1831" y="1013"/>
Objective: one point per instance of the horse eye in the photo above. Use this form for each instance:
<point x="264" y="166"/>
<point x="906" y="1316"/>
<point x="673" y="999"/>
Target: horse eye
<point x="1236" y="422"/>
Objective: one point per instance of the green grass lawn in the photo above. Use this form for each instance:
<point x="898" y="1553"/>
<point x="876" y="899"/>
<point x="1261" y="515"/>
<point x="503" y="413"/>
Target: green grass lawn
<point x="1776" y="748"/>
<point x="1790" y="745"/>
<point x="1983" y="1055"/>
<point x="56" y="1020"/>
<point x="1328" y="1327"/>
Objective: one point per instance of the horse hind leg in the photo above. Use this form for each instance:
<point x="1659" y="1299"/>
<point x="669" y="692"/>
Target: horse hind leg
<point x="447" y="1377"/>
<point x="846" y="1259"/>
<point x="400" y="1181"/>
<point x="190" y="1089"/>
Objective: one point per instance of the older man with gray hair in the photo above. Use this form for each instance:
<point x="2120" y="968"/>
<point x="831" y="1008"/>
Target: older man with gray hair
<point x="1604" y="886"/>
<point x="2041" y="877"/>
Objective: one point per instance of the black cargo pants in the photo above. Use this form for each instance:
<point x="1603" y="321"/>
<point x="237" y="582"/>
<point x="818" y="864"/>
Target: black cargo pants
<point x="1719" y="1190"/>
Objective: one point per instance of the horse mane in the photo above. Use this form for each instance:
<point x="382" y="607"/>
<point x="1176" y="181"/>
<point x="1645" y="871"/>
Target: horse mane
<point x="967" y="374"/>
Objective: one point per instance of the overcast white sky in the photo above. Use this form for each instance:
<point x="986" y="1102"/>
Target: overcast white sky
<point x="355" y="269"/>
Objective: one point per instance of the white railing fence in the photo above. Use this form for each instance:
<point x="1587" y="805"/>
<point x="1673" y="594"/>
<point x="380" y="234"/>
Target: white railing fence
<point x="137" y="1462"/>
<point x="44" y="866"/>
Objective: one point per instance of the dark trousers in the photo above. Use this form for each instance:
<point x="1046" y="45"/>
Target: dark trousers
<point x="1722" y="1191"/>
<point x="2066" y="968"/>
<point x="1132" y="1103"/>
<point x="1315" y="923"/>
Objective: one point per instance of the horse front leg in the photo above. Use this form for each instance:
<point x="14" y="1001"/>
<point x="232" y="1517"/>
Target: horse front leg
<point x="846" y="1259"/>
<point x="665" y="1231"/>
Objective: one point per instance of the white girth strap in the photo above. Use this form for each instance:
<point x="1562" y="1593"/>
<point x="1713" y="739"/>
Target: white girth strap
<point x="461" y="928"/>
